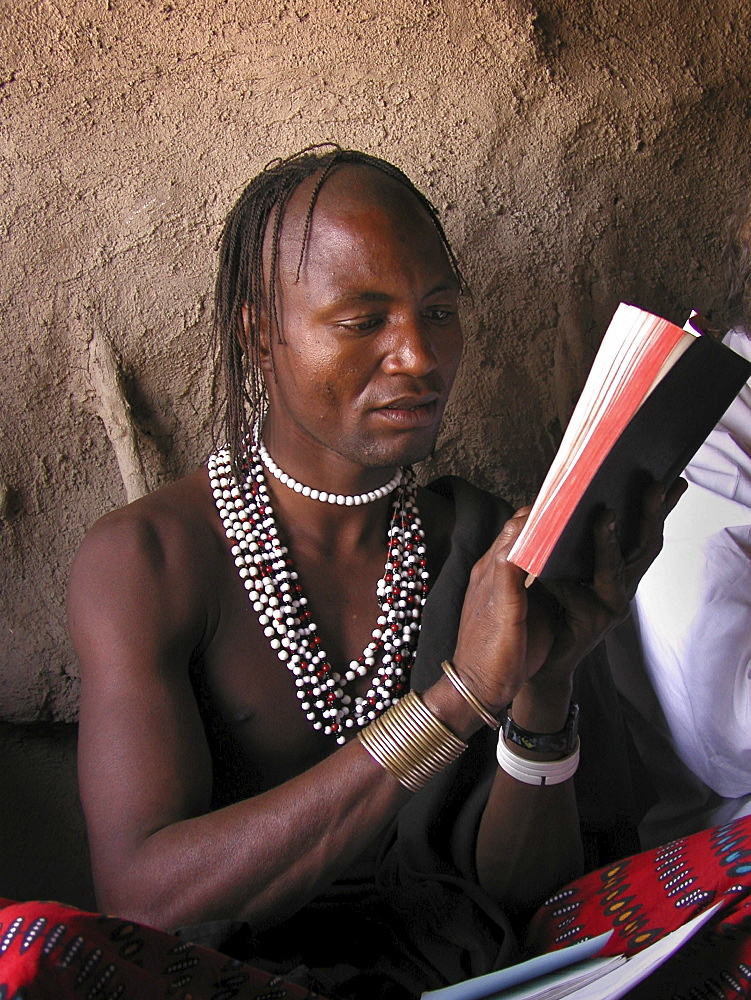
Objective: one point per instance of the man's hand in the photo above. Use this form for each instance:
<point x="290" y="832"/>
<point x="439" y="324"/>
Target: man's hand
<point x="512" y="637"/>
<point x="583" y="613"/>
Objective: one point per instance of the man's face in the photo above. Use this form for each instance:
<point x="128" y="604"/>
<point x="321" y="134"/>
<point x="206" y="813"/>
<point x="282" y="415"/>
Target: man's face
<point x="370" y="333"/>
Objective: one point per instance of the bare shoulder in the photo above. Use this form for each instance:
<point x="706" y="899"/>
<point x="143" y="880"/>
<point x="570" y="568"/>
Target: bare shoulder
<point x="147" y="562"/>
<point x="156" y="528"/>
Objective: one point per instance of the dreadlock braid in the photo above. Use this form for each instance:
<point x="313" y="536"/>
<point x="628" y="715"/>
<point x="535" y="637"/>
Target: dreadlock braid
<point x="239" y="283"/>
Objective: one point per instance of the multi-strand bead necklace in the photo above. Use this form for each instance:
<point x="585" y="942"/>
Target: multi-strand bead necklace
<point x="272" y="584"/>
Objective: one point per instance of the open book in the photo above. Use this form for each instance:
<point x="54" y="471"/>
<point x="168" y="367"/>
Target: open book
<point x="654" y="393"/>
<point x="578" y="971"/>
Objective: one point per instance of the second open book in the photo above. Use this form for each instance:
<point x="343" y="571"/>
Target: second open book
<point x="579" y="971"/>
<point x="654" y="393"/>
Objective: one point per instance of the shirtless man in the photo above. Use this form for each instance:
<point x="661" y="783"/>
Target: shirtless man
<point x="218" y="782"/>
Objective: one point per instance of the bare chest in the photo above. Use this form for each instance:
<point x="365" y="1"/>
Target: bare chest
<point x="255" y="718"/>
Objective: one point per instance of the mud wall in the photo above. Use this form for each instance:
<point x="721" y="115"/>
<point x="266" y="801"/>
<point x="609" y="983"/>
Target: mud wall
<point x="579" y="151"/>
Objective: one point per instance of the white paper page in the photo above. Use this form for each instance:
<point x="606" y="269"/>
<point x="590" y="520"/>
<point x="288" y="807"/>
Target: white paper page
<point x="533" y="968"/>
<point x="557" y="974"/>
<point x="565" y="983"/>
<point x="614" y="984"/>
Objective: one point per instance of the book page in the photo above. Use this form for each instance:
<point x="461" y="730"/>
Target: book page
<point x="589" y="977"/>
<point x="636" y="350"/>
<point x="504" y="979"/>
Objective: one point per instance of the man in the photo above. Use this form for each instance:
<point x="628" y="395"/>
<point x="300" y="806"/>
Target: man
<point x="248" y="750"/>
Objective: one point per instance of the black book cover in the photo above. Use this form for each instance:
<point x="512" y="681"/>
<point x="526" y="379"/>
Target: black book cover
<point x="657" y="444"/>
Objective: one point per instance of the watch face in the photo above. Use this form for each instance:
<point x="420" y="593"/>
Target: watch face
<point x="562" y="742"/>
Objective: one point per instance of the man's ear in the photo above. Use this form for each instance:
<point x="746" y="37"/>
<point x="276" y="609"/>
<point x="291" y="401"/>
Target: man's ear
<point x="253" y="327"/>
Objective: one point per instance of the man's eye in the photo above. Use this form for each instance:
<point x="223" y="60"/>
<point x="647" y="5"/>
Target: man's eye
<point x="364" y="325"/>
<point x="439" y="315"/>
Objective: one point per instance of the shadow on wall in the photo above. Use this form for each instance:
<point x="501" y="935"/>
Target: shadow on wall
<point x="43" y="851"/>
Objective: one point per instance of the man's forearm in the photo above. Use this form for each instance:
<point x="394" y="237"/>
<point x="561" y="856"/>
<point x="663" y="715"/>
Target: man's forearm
<point x="260" y="859"/>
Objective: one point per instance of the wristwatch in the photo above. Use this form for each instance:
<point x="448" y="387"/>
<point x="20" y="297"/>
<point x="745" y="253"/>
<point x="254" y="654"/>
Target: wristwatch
<point x="563" y="742"/>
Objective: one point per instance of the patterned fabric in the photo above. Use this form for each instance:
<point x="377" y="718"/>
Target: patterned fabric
<point x="53" y="952"/>
<point x="648" y="895"/>
<point x="48" y="950"/>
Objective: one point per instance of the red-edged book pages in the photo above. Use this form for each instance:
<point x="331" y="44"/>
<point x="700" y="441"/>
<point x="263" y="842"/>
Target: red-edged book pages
<point x="654" y="393"/>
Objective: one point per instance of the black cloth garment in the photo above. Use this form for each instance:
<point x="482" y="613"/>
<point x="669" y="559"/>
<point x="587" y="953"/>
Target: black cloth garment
<point x="425" y="922"/>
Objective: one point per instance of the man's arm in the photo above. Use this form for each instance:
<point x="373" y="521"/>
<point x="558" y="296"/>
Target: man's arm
<point x="137" y="616"/>
<point x="159" y="853"/>
<point x="529" y="839"/>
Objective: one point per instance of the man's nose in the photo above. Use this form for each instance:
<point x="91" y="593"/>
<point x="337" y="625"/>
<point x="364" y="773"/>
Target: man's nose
<point x="412" y="349"/>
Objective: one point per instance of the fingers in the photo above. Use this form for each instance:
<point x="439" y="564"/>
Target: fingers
<point x="674" y="494"/>
<point x="492" y="640"/>
<point x="609" y="578"/>
<point x="510" y="531"/>
<point x="656" y="505"/>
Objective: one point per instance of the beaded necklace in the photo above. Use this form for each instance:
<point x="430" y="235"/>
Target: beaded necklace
<point x="274" y="591"/>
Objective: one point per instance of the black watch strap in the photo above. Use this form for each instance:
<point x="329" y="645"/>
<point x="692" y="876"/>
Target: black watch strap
<point x="562" y="742"/>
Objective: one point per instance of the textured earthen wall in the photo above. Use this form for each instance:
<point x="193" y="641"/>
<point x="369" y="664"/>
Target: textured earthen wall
<point x="579" y="151"/>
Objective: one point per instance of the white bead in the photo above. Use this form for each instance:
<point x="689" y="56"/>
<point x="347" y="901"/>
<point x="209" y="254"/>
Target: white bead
<point x="276" y="599"/>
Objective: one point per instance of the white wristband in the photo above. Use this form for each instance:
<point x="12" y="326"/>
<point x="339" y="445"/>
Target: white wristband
<point x="537" y="772"/>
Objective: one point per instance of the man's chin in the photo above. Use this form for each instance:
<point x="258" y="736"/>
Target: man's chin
<point x="411" y="452"/>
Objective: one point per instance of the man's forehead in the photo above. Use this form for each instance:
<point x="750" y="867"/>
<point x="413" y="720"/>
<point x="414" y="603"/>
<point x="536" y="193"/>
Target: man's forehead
<point x="348" y="191"/>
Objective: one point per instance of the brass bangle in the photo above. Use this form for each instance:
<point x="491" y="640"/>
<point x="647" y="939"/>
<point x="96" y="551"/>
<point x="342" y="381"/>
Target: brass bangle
<point x="411" y="743"/>
<point x="472" y="700"/>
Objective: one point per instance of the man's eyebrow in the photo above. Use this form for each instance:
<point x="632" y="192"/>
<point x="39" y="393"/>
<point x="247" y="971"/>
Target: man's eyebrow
<point x="446" y="286"/>
<point x="366" y="295"/>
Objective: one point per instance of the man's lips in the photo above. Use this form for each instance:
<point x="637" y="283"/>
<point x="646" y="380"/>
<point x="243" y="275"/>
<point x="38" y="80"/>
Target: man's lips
<point x="411" y="411"/>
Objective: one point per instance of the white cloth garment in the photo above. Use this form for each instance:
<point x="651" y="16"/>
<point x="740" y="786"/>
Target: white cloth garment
<point x="683" y="661"/>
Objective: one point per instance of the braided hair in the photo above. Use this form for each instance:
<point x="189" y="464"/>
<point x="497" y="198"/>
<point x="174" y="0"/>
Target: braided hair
<point x="240" y="280"/>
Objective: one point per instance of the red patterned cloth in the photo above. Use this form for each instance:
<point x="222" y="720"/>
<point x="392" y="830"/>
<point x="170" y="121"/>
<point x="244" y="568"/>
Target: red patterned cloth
<point x="49" y="951"/>
<point x="53" y="952"/>
<point x="645" y="896"/>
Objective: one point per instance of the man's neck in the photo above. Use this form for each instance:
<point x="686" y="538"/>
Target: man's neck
<point x="315" y="469"/>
